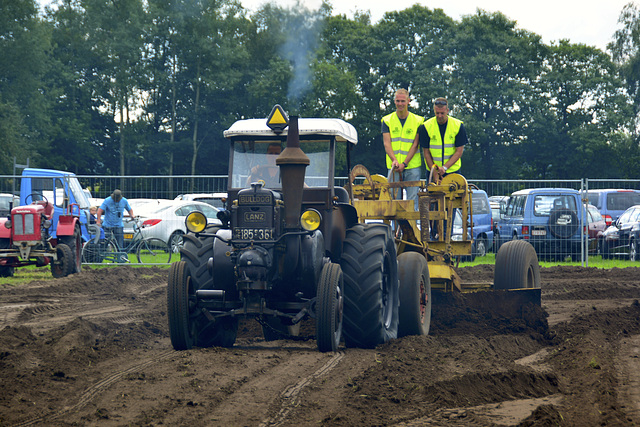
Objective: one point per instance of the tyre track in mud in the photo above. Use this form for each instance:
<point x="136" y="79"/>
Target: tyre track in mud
<point x="96" y="389"/>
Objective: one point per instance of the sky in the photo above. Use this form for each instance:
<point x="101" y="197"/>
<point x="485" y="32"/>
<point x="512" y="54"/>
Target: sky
<point x="581" y="21"/>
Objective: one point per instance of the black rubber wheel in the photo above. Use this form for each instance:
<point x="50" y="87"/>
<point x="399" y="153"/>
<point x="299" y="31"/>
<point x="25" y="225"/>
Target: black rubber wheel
<point x="481" y="247"/>
<point x="196" y="253"/>
<point x="75" y="243"/>
<point x="6" y="271"/>
<point x="64" y="265"/>
<point x="517" y="266"/>
<point x="329" y="308"/>
<point x="563" y="223"/>
<point x="604" y="249"/>
<point x="633" y="250"/>
<point x="180" y="303"/>
<point x="371" y="298"/>
<point x="415" y="295"/>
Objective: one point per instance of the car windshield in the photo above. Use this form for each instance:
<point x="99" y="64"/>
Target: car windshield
<point x="255" y="160"/>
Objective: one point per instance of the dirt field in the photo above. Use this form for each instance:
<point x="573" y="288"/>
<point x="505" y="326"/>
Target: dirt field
<point x="93" y="349"/>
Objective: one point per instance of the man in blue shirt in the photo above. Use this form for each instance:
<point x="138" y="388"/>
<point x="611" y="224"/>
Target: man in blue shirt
<point x="112" y="208"/>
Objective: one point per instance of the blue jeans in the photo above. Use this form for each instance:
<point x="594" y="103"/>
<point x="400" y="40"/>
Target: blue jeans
<point x="118" y="234"/>
<point x="412" y="174"/>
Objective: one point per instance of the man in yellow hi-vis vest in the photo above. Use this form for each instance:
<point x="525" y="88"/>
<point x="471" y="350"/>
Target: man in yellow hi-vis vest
<point x="442" y="139"/>
<point x="399" y="137"/>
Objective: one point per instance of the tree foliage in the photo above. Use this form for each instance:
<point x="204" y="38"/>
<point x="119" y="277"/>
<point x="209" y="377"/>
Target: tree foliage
<point x="148" y="86"/>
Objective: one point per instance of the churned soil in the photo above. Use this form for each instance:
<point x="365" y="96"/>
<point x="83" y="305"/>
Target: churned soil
<point x="93" y="349"/>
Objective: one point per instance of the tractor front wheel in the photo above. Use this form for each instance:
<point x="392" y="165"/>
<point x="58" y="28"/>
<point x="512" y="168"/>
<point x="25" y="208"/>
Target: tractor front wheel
<point x="329" y="309"/>
<point x="64" y="265"/>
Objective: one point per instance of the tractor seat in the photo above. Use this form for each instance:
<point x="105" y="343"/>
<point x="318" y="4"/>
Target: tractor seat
<point x="48" y="208"/>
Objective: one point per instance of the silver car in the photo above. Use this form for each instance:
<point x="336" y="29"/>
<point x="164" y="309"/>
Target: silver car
<point x="165" y="219"/>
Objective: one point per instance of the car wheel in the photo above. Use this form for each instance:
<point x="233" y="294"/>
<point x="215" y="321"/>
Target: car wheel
<point x="481" y="247"/>
<point x="633" y="250"/>
<point x="176" y="241"/>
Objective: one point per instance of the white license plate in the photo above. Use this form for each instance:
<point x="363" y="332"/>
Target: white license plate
<point x="538" y="232"/>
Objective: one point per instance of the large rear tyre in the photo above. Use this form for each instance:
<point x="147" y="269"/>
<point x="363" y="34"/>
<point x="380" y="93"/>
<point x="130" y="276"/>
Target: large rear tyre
<point x="6" y="271"/>
<point x="196" y="253"/>
<point x="75" y="244"/>
<point x="371" y="298"/>
<point x="329" y="308"/>
<point x="415" y="295"/>
<point x="153" y="251"/>
<point x="63" y="266"/>
<point x="180" y="306"/>
<point x="517" y="266"/>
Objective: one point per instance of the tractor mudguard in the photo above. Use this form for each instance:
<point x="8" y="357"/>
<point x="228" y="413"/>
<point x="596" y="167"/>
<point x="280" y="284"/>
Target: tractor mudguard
<point x="5" y="233"/>
<point x="66" y="225"/>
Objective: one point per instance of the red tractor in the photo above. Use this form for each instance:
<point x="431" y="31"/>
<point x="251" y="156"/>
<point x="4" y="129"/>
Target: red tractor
<point x="25" y="239"/>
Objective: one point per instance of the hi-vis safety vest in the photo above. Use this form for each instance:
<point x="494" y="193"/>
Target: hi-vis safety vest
<point x="436" y="145"/>
<point x="402" y="138"/>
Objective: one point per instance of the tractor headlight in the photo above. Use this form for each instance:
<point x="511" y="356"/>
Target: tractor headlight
<point x="310" y="219"/>
<point x="196" y="222"/>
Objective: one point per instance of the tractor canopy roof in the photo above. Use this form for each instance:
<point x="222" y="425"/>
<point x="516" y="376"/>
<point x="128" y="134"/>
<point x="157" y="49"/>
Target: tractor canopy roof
<point x="258" y="128"/>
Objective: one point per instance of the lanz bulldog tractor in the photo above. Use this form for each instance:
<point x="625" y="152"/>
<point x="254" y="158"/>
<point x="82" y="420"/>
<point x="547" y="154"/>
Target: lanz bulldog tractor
<point x="26" y="239"/>
<point x="301" y="247"/>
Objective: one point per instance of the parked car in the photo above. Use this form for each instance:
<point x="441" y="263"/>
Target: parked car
<point x="620" y="239"/>
<point x="596" y="227"/>
<point x="214" y="199"/>
<point x="551" y="219"/>
<point x="164" y="219"/>
<point x="613" y="202"/>
<point x="482" y="223"/>
<point x="5" y="202"/>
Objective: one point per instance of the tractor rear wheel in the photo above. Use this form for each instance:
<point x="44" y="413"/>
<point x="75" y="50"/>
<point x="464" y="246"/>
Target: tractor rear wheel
<point x="415" y="294"/>
<point x="64" y="265"/>
<point x="371" y="298"/>
<point x="517" y="266"/>
<point x="6" y="271"/>
<point x="329" y="308"/>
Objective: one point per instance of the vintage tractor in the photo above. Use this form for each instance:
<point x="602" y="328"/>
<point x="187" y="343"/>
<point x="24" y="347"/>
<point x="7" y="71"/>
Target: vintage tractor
<point x="286" y="251"/>
<point x="26" y="238"/>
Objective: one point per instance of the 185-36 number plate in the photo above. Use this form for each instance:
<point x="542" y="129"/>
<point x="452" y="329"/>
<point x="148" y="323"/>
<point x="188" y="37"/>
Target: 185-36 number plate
<point x="253" y="233"/>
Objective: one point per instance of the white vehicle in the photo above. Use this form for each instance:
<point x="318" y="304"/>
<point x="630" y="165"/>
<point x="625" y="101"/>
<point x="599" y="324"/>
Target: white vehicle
<point x="164" y="219"/>
<point x="214" y="199"/>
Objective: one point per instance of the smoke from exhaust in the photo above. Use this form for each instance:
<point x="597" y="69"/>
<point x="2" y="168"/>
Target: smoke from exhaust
<point x="302" y="35"/>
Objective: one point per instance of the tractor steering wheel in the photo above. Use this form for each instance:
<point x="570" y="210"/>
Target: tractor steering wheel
<point x="33" y="198"/>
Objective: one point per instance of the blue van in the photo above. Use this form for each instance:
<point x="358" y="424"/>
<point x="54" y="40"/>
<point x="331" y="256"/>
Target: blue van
<point x="613" y="202"/>
<point x="551" y="219"/>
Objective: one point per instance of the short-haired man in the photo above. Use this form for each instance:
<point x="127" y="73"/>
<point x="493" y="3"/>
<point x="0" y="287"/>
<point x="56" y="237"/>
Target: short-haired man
<point x="399" y="137"/>
<point x="112" y="207"/>
<point x="442" y="139"/>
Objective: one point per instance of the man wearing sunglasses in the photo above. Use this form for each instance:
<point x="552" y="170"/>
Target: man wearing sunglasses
<point x="442" y="139"/>
<point x="399" y="137"/>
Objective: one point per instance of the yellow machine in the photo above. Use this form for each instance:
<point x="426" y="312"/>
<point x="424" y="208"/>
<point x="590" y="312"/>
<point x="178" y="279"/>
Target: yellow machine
<point x="427" y="255"/>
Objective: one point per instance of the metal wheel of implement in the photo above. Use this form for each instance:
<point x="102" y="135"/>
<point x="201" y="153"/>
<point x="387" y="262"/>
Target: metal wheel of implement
<point x="415" y="294"/>
<point x="517" y="266"/>
<point x="63" y="266"/>
<point x="329" y="308"/>
<point x="371" y="298"/>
